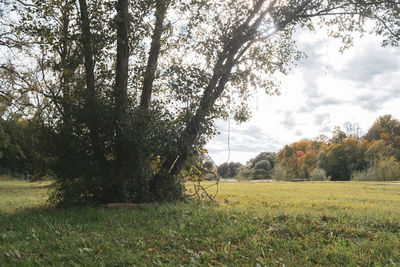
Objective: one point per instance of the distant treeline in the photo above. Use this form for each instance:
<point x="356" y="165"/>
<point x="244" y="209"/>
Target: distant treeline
<point x="346" y="156"/>
<point x="24" y="152"/>
<point x="22" y="145"/>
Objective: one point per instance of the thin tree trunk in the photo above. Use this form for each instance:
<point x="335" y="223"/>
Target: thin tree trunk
<point x="121" y="78"/>
<point x="90" y="85"/>
<point x="66" y="74"/>
<point x="161" y="8"/>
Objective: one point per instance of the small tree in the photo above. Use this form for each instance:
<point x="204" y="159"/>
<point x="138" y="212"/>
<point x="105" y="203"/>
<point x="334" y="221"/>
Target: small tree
<point x="223" y="170"/>
<point x="262" y="170"/>
<point x="243" y="173"/>
<point x="258" y="174"/>
<point x="281" y="173"/>
<point x="318" y="175"/>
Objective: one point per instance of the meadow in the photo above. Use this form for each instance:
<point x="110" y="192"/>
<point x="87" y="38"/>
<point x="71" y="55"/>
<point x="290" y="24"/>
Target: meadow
<point x="266" y="223"/>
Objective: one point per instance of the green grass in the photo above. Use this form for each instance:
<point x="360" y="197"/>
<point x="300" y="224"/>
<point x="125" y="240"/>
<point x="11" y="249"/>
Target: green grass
<point x="291" y="224"/>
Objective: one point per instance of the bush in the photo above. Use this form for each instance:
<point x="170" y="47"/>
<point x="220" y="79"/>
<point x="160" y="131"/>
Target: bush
<point x="128" y="174"/>
<point x="243" y="174"/>
<point x="251" y="174"/>
<point x="280" y="173"/>
<point x="258" y="174"/>
<point x="318" y="175"/>
<point x="384" y="169"/>
<point x="229" y="170"/>
<point x="263" y="164"/>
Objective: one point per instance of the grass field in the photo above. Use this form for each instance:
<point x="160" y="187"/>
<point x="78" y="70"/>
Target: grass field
<point x="270" y="223"/>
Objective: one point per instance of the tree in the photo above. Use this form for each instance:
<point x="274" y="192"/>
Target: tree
<point x="281" y="173"/>
<point x="223" y="170"/>
<point x="299" y="158"/>
<point x="353" y="129"/>
<point x="281" y="19"/>
<point x="259" y="167"/>
<point x="243" y="173"/>
<point x="20" y="150"/>
<point x="338" y="135"/>
<point x="338" y="158"/>
<point x="263" y="156"/>
<point x="229" y="170"/>
<point x="121" y="84"/>
<point x="4" y="139"/>
<point x="379" y="149"/>
<point x="344" y="158"/>
<point x="318" y="175"/>
<point x="385" y="128"/>
<point x="263" y="164"/>
<point x="322" y="159"/>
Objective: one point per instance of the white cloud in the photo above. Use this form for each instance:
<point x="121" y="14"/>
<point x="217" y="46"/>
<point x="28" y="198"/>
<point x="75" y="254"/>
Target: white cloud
<point x="326" y="89"/>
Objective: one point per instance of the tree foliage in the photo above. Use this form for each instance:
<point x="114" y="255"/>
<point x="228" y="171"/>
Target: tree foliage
<point x="385" y="128"/>
<point x="21" y="153"/>
<point x="281" y="173"/>
<point x="259" y="167"/>
<point x="342" y="156"/>
<point x="229" y="170"/>
<point x="300" y="158"/>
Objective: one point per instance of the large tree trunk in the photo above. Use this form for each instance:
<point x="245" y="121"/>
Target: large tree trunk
<point x="93" y="122"/>
<point x="161" y="8"/>
<point x="121" y="79"/>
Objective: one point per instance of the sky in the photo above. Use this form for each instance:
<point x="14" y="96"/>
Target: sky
<point x="326" y="89"/>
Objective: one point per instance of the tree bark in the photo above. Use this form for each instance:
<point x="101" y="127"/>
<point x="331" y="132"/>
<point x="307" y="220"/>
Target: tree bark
<point x="93" y="123"/>
<point x="161" y="9"/>
<point x="66" y="73"/>
<point x="121" y="78"/>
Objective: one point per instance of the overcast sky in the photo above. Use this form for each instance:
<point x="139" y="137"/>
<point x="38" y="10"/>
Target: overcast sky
<point x="325" y="90"/>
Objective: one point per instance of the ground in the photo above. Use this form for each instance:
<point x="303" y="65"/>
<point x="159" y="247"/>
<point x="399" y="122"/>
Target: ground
<point x="270" y="223"/>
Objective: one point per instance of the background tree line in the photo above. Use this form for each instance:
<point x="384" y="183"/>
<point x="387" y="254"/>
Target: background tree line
<point x="345" y="156"/>
<point x="21" y="154"/>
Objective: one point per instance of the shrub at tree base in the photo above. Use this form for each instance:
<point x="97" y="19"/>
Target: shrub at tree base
<point x="384" y="169"/>
<point x="131" y="176"/>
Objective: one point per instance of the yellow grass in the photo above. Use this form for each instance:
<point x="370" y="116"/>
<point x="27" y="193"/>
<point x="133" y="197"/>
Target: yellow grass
<point x="314" y="198"/>
<point x="18" y="195"/>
